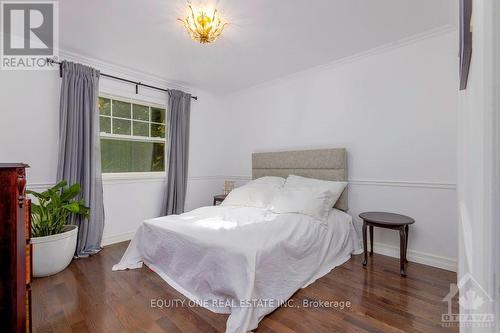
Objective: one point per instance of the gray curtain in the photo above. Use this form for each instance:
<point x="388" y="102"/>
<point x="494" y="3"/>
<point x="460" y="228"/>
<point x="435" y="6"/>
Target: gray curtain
<point x="179" y="109"/>
<point x="79" y="150"/>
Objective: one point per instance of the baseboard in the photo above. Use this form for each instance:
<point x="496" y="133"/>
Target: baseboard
<point x="112" y="239"/>
<point x="417" y="256"/>
<point x="379" y="248"/>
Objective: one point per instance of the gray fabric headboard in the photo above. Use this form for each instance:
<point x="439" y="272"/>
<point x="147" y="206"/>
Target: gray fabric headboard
<point x="326" y="164"/>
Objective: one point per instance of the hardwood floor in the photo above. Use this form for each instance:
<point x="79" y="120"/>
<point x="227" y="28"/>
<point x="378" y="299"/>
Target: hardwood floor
<point x="89" y="297"/>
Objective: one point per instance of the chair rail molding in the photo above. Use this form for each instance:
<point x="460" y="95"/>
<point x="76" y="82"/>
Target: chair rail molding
<point x="403" y="183"/>
<point x="142" y="178"/>
<point x="368" y="182"/>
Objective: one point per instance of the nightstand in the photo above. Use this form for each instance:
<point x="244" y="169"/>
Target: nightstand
<point x="388" y="221"/>
<point x="219" y="198"/>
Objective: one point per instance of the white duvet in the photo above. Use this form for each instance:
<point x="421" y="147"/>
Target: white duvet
<point x="241" y="260"/>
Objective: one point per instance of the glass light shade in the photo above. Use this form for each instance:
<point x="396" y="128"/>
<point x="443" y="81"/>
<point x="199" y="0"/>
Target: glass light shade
<point x="203" y="27"/>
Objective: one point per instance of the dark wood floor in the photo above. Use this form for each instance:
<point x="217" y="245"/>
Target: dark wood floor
<point x="89" y="297"/>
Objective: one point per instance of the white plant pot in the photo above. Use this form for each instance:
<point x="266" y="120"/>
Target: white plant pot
<point x="52" y="254"/>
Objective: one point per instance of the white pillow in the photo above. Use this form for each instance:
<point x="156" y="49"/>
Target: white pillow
<point x="270" y="180"/>
<point x="298" y="181"/>
<point x="251" y="195"/>
<point x="336" y="188"/>
<point x="308" y="196"/>
<point x="303" y="201"/>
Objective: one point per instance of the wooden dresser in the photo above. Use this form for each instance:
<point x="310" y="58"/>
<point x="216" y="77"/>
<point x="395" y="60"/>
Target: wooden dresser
<point x="15" y="250"/>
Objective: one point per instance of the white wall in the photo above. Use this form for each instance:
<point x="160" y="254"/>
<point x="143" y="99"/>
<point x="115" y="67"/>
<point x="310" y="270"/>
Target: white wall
<point x="394" y="109"/>
<point x="478" y="145"/>
<point x="29" y="133"/>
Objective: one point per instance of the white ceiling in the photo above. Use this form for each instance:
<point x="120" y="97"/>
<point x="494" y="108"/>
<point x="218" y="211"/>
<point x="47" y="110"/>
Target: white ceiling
<point x="266" y="39"/>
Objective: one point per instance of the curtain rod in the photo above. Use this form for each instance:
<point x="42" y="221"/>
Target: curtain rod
<point x="137" y="84"/>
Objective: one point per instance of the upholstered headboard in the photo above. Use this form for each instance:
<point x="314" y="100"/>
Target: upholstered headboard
<point x="326" y="164"/>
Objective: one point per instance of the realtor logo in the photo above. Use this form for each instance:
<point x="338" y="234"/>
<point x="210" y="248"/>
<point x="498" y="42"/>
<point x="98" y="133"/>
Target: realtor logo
<point x="29" y="34"/>
<point x="475" y="305"/>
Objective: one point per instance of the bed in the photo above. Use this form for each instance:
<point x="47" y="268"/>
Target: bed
<point x="247" y="261"/>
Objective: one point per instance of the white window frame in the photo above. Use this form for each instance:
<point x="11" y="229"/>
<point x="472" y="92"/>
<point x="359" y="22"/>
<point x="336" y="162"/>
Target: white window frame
<point x="119" y="176"/>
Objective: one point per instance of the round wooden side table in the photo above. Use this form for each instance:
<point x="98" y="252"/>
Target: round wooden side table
<point x="387" y="221"/>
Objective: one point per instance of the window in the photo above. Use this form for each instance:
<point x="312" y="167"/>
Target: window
<point x="132" y="136"/>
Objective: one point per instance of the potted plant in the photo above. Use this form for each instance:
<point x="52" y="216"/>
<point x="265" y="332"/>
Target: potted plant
<point x="54" y="241"/>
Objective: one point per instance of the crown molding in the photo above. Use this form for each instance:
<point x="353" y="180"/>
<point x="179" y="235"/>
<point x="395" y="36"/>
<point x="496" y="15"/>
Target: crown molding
<point x="124" y="71"/>
<point x="385" y="48"/>
<point x="138" y="75"/>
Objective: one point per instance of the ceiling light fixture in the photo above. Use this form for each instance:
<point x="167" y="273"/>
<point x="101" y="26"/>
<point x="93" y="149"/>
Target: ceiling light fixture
<point x="202" y="27"/>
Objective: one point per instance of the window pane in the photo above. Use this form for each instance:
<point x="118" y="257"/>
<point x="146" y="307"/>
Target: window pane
<point x="158" y="115"/>
<point x="141" y="129"/>
<point x="140" y="112"/>
<point x="121" y="109"/>
<point x="132" y="156"/>
<point x="157" y="131"/>
<point x="104" y="106"/>
<point x="121" y="126"/>
<point x="158" y="159"/>
<point x="105" y="124"/>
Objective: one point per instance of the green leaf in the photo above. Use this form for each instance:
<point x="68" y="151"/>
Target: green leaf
<point x="73" y="207"/>
<point x="71" y="192"/>
<point x="59" y="186"/>
<point x="54" y="197"/>
<point x="55" y="205"/>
